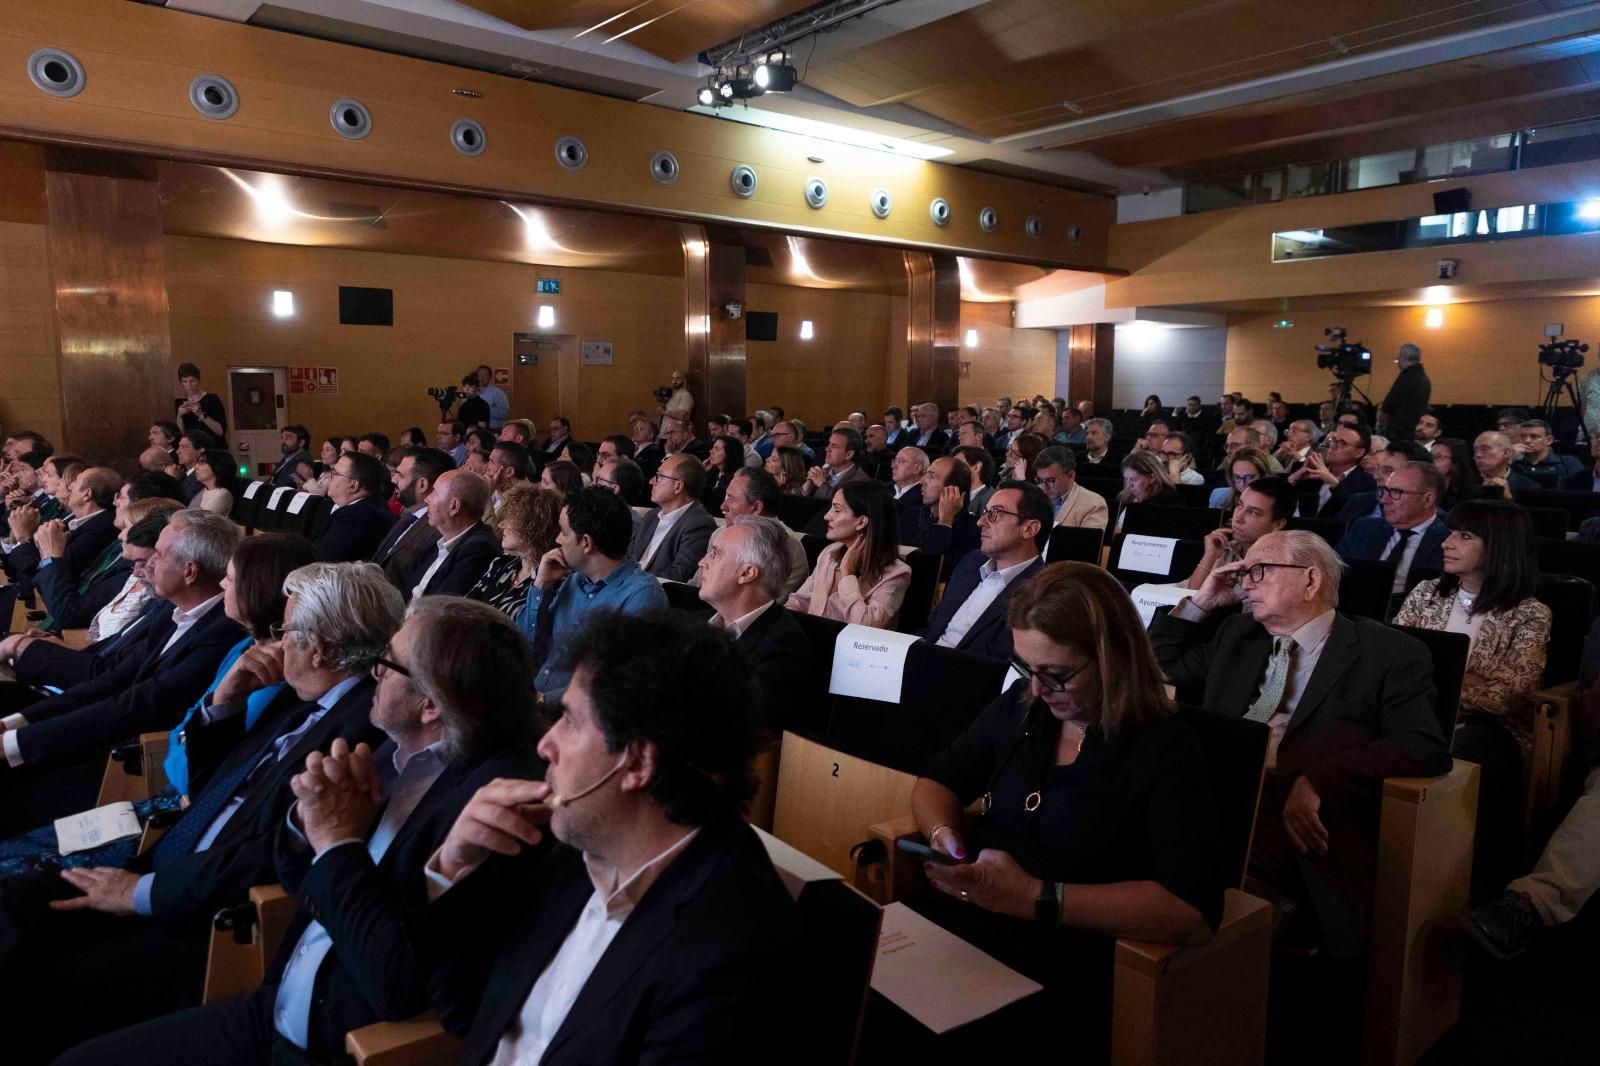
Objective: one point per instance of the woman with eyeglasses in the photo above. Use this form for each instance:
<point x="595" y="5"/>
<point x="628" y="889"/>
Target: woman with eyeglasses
<point x="529" y="519"/>
<point x="1097" y="815"/>
<point x="788" y="467"/>
<point x="1020" y="456"/>
<point x="859" y="577"/>
<point x="1246" y="466"/>
<point x="1145" y="479"/>
<point x="218" y="478"/>
<point x="1487" y="593"/>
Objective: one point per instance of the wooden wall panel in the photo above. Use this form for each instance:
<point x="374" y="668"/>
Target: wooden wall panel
<point x="722" y="378"/>
<point x="1484" y="353"/>
<point x="1091" y="363"/>
<point x="31" y="398"/>
<point x="140" y="60"/>
<point x="821" y="380"/>
<point x="933" y="286"/>
<point x="1227" y="255"/>
<point x="1007" y="361"/>
<point x="114" y="348"/>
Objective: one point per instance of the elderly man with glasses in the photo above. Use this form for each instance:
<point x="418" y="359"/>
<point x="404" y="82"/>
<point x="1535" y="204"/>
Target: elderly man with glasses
<point x="1349" y="702"/>
<point x="1411" y="530"/>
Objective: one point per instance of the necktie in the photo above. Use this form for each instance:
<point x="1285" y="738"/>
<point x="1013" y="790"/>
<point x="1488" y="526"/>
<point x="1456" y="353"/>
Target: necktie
<point x="1276" y="681"/>
<point x="1399" y="550"/>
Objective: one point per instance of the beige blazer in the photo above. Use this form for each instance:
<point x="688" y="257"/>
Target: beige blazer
<point x="1084" y="507"/>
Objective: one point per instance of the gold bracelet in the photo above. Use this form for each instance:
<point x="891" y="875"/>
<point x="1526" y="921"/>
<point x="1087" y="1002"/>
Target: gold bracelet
<point x="933" y="836"/>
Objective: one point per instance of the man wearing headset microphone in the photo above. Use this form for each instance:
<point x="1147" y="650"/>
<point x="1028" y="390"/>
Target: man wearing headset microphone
<point x="658" y="927"/>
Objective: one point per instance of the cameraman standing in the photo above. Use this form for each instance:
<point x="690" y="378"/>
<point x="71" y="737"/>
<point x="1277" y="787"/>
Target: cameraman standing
<point x="1408" y="397"/>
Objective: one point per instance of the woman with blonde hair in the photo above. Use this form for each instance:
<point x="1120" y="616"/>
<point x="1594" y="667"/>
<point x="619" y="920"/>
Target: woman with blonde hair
<point x="529" y="519"/>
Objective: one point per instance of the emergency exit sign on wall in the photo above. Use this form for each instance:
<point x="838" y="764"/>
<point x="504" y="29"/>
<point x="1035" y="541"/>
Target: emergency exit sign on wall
<point x="549" y="286"/>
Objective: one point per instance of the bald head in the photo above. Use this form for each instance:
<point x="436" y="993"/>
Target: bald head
<point x="457" y="502"/>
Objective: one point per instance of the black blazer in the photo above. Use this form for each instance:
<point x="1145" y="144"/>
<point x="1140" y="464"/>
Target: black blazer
<point x="190" y="888"/>
<point x="681" y="549"/>
<point x="907" y="506"/>
<point x="1357" y="481"/>
<point x="779" y="653"/>
<point x="283" y="473"/>
<point x="1407" y="398"/>
<point x="75" y="600"/>
<point x="143" y="690"/>
<point x="1367" y="714"/>
<point x="462" y="567"/>
<point x="356" y="530"/>
<point x="989" y="635"/>
<point x="373" y="912"/>
<point x="706" y="967"/>
<point x="43" y="663"/>
<point x="954" y="542"/>
<point x="1366" y="538"/>
<point x="82" y="551"/>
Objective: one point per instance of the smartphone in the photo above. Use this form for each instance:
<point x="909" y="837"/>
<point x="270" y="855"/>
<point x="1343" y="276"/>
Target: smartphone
<point x="922" y="851"/>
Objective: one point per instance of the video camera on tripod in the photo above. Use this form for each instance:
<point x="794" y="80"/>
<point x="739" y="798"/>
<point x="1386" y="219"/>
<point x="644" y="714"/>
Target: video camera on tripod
<point x="1346" y="359"/>
<point x="1562" y="357"/>
<point x="445" y="398"/>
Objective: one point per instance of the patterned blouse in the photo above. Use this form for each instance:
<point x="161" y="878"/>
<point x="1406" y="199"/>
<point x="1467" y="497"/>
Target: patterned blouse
<point x="499" y="587"/>
<point x="1507" y="656"/>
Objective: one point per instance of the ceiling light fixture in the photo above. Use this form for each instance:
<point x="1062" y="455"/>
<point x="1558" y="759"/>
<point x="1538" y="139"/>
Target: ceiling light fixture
<point x="827" y="131"/>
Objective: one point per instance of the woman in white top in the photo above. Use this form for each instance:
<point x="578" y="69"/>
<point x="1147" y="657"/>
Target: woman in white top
<point x="859" y="577"/>
<point x="217" y="478"/>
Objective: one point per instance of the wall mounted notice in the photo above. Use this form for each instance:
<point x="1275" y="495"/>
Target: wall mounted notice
<point x="549" y="286"/>
<point x="597" y="353"/>
<point x="870" y="663"/>
<point x="313" y="380"/>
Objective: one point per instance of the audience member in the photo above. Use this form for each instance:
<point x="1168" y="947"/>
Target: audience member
<point x="529" y="519"/>
<point x="76" y="542"/>
<point x="1452" y="457"/>
<point x="519" y="431"/>
<point x="725" y="459"/>
<point x="448" y="438"/>
<point x="1265" y="506"/>
<point x="1298" y="440"/>
<point x="412" y="535"/>
<point x="859" y="578"/>
<point x="754" y="492"/>
<point x="927" y="435"/>
<point x="1013" y="530"/>
<point x="465" y="547"/>
<point x="788" y="435"/>
<point x="623" y="476"/>
<point x="1047" y="877"/>
<point x="218" y="480"/>
<point x="1427" y="431"/>
<point x="839" y="465"/>
<point x="1326" y="481"/>
<point x="985" y="474"/>
<point x="1021" y="455"/>
<point x="788" y="467"/>
<point x="509" y="465"/>
<point x="1145" y="480"/>
<point x="1097" y="460"/>
<point x="1494" y="455"/>
<point x="677" y="438"/>
<point x="670" y="539"/>
<point x="1056" y="471"/>
<point x="906" y="472"/>
<point x="588" y="570"/>
<point x="198" y="409"/>
<point x="294" y="443"/>
<point x="560" y="433"/>
<point x="1538" y="463"/>
<point x="1177" y="451"/>
<point x="742" y="577"/>
<point x="1349" y="702"/>
<point x="561" y="477"/>
<point x="1411" y="530"/>
<point x="361" y="519"/>
<point x="1072" y="428"/>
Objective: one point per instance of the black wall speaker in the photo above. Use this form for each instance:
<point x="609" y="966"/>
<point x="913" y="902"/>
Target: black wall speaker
<point x="365" y="307"/>
<point x="1452" y="201"/>
<point x="761" y="325"/>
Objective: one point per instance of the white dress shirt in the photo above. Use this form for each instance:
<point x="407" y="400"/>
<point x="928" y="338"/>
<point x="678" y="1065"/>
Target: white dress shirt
<point x="901" y="490"/>
<point x="664" y="524"/>
<point x="74" y="523"/>
<point x="735" y="629"/>
<point x="559" y="986"/>
<point x="991" y="583"/>
<point x="438" y="560"/>
<point x="1412" y="544"/>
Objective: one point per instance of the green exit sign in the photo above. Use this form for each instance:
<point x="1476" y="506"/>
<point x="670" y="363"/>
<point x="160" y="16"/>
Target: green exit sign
<point x="549" y="286"/>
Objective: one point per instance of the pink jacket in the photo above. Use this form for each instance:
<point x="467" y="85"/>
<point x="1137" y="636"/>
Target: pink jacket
<point x="842" y="598"/>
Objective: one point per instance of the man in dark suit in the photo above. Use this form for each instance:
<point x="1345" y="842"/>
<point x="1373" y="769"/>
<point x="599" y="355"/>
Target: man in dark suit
<point x="840" y="464"/>
<point x="295" y="443"/>
<point x="1349" y="702"/>
<point x="465" y="547"/>
<point x="906" y="471"/>
<point x="658" y="921"/>
<point x="360" y="519"/>
<point x="677" y="438"/>
<point x="972" y="615"/>
<point x="1326" y="482"/>
<point x="926" y="434"/>
<point x="355" y="843"/>
<point x="145" y="689"/>
<point x="130" y="934"/>
<point x="1411" y="530"/>
<point x="942" y="526"/>
<point x="76" y="543"/>
<point x="1393" y="457"/>
<point x="560" y="433"/>
<point x="670" y="540"/>
<point x="1407" y="398"/>
<point x="742" y="577"/>
<point x="412" y="534"/>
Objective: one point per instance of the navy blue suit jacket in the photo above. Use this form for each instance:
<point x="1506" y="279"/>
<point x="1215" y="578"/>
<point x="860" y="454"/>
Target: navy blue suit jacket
<point x="1367" y="537"/>
<point x="989" y="636"/>
<point x="355" y="531"/>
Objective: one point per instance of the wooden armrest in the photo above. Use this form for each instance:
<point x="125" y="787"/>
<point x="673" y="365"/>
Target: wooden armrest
<point x="1201" y="1006"/>
<point x="895" y="829"/>
<point x="900" y="878"/>
<point x="1416" y="790"/>
<point x="244" y="940"/>
<point x="421" y="1041"/>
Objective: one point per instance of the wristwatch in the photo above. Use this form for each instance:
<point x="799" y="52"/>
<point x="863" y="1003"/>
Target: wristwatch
<point x="1047" y="908"/>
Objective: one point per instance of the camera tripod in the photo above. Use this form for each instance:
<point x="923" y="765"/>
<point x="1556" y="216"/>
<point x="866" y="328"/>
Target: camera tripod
<point x="1561" y="387"/>
<point x="1347" y="385"/>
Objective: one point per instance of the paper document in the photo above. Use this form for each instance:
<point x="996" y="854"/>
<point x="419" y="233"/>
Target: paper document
<point x="1146" y="598"/>
<point x="939" y="979"/>
<point x="1147" y="555"/>
<point x="251" y="489"/>
<point x="298" y="502"/>
<point x="277" y="494"/>
<point x="795" y="868"/>
<point x="80" y="832"/>
<point x="870" y="663"/>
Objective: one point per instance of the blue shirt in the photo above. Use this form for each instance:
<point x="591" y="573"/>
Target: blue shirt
<point x="499" y="404"/>
<point x="1076" y="436"/>
<point x="627" y="590"/>
<point x="177" y="762"/>
<point x="405" y="781"/>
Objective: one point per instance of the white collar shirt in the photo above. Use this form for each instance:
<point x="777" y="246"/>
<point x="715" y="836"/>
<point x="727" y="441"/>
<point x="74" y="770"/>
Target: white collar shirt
<point x="664" y="524"/>
<point x="438" y="560"/>
<point x="737" y="626"/>
<point x="991" y="583"/>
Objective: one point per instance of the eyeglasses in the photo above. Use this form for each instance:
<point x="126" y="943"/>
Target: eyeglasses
<point x="994" y="514"/>
<point x="381" y="666"/>
<point x="1243" y="479"/>
<point x="1394" y="494"/>
<point x="1048" y="681"/>
<point x="330" y="472"/>
<point x="1257" y="572"/>
<point x="277" y="630"/>
<point x="667" y="477"/>
<point x="605" y="482"/>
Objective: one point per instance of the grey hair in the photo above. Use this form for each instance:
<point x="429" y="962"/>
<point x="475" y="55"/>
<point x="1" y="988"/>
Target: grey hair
<point x="767" y="548"/>
<point x="350" y="609"/>
<point x="1104" y="424"/>
<point x="1059" y="456"/>
<point x="1253" y="438"/>
<point x="1409" y="354"/>
<point x="915" y="453"/>
<point x="1305" y="548"/>
<point x="1266" y="429"/>
<point x="205" y="539"/>
<point x="1310" y="427"/>
<point x="478" y="668"/>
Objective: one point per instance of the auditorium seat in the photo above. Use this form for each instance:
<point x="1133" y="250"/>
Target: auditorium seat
<point x="918" y="602"/>
<point x="1195" y="495"/>
<point x="1578" y="505"/>
<point x="134" y="771"/>
<point x="1080" y="544"/>
<point x="1366" y="588"/>
<point x="1548" y="521"/>
<point x="244" y="939"/>
<point x="1328" y="529"/>
<point x="1186" y="555"/>
<point x="1557" y="555"/>
<point x="1553" y="708"/>
<point x="247" y="503"/>
<point x="799" y="512"/>
<point x="1180" y="523"/>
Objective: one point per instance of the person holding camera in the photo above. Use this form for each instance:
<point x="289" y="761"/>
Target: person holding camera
<point x="199" y="409"/>
<point x="1403" y="407"/>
